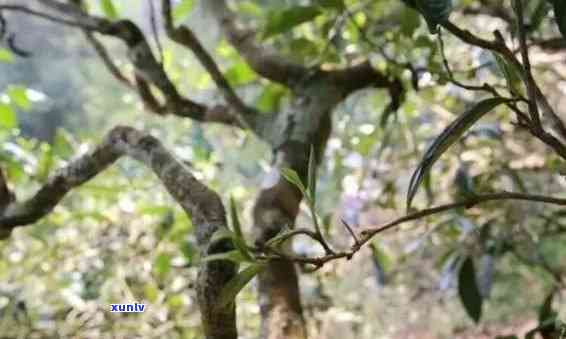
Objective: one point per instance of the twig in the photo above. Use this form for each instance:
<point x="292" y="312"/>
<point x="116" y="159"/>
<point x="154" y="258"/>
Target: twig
<point x="369" y="232"/>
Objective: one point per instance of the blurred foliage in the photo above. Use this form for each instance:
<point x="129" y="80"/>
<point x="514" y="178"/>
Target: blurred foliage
<point x="121" y="238"/>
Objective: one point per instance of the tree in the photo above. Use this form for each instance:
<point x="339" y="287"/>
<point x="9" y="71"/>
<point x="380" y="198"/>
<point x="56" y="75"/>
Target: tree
<point x="297" y="133"/>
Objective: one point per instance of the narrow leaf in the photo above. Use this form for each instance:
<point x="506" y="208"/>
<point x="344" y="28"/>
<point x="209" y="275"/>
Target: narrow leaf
<point x="293" y="178"/>
<point x="239" y="240"/>
<point x="469" y="291"/>
<point x="233" y="255"/>
<point x="452" y="133"/>
<point x="237" y="283"/>
<point x="285" y="20"/>
<point x="312" y="175"/>
<point x="560" y="15"/>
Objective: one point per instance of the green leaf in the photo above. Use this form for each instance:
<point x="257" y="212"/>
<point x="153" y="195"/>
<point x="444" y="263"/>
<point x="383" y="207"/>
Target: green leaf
<point x="109" y="9"/>
<point x="182" y="10"/>
<point x="237" y="283"/>
<point x="293" y="178"/>
<point x="239" y="240"/>
<point x="560" y="15"/>
<point x="162" y="264"/>
<point x="511" y="74"/>
<point x="6" y="56"/>
<point x="45" y="163"/>
<point x="270" y="98"/>
<point x="434" y="11"/>
<point x="18" y="95"/>
<point x="452" y="133"/>
<point x="282" y="21"/>
<point x="546" y="314"/>
<point x="8" y="117"/>
<point x="312" y="175"/>
<point x="469" y="291"/>
<point x="539" y="13"/>
<point x="234" y="255"/>
<point x="240" y="74"/>
<point x="410" y="22"/>
<point x="332" y="4"/>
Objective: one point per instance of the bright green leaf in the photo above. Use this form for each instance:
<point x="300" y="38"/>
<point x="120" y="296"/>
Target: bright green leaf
<point x="450" y="134"/>
<point x="6" y="56"/>
<point x="109" y="9"/>
<point x="162" y="264"/>
<point x="8" y="117"/>
<point x="282" y="21"/>
<point x="469" y="291"/>
<point x="240" y="74"/>
<point x="18" y="95"/>
<point x="182" y="10"/>
<point x="236" y="284"/>
<point x="270" y="98"/>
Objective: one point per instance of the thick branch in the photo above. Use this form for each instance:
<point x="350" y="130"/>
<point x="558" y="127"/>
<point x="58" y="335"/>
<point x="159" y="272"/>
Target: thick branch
<point x="203" y="205"/>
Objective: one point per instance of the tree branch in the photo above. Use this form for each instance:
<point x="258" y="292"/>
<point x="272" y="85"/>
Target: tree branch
<point x="263" y="60"/>
<point x="185" y="37"/>
<point x="203" y="206"/>
<point x="148" y="69"/>
<point x="367" y="233"/>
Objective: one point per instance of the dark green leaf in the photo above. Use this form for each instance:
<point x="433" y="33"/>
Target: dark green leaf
<point x="452" y="133"/>
<point x="434" y="11"/>
<point x="282" y="21"/>
<point x="312" y="175"/>
<point x="332" y="4"/>
<point x="560" y="15"/>
<point x="109" y="9"/>
<point x="239" y="240"/>
<point x="8" y="117"/>
<point x="410" y="22"/>
<point x="546" y="312"/>
<point x="236" y="284"/>
<point x="469" y="291"/>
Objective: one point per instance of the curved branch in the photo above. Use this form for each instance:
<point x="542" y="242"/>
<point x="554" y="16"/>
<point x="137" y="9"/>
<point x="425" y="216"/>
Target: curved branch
<point x="263" y="60"/>
<point x="202" y="204"/>
<point x="185" y="37"/>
